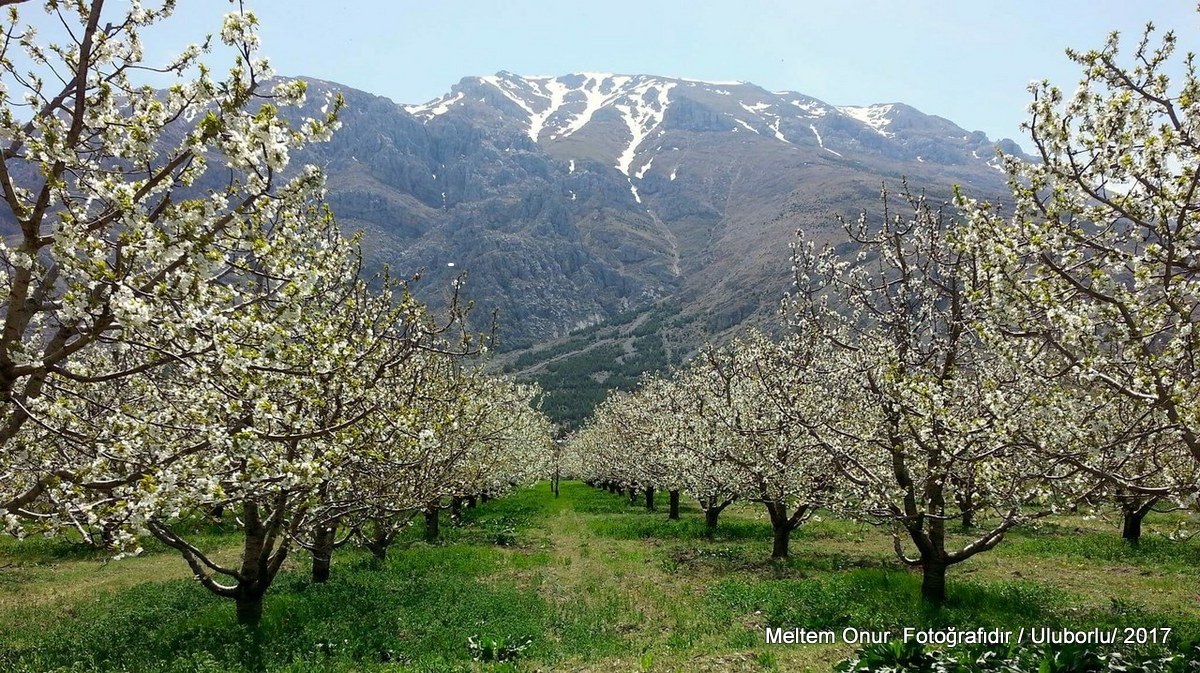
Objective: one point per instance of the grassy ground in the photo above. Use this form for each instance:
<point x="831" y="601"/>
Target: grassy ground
<point x="589" y="582"/>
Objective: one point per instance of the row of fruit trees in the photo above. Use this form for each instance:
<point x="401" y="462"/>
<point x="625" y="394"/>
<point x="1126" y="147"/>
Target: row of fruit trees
<point x="968" y="366"/>
<point x="186" y="334"/>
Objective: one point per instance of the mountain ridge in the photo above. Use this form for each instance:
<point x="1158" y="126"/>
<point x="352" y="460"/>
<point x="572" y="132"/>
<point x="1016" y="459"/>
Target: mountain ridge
<point x="572" y="198"/>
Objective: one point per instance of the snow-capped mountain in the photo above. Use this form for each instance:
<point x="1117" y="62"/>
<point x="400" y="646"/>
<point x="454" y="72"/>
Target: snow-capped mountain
<point x="575" y="197"/>
<point x="576" y="113"/>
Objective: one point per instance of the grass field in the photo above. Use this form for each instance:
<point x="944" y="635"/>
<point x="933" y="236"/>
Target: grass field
<point x="584" y="582"/>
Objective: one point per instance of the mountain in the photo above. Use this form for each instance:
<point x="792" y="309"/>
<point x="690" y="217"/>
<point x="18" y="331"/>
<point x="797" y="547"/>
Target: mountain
<point x="572" y="199"/>
<point x="615" y="222"/>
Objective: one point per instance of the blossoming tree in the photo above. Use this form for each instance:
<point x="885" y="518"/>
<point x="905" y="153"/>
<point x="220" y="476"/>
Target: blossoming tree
<point x="1094" y="275"/>
<point x="931" y="409"/>
<point x="121" y="239"/>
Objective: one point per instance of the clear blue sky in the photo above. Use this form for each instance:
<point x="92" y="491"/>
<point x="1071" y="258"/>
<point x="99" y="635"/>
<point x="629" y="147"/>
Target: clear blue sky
<point x="966" y="60"/>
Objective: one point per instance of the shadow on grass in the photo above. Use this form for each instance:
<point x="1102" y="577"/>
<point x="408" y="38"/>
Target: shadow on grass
<point x="40" y="550"/>
<point x="632" y="527"/>
<point x="755" y="559"/>
<point x="419" y="607"/>
<point x="889" y="600"/>
<point x="1154" y="551"/>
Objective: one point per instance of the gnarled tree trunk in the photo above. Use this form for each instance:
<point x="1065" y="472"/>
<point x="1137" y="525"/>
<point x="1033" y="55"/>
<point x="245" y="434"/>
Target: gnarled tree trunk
<point x="782" y="525"/>
<point x="712" y="512"/>
<point x="266" y="542"/>
<point x="1133" y="512"/>
<point x="322" y="552"/>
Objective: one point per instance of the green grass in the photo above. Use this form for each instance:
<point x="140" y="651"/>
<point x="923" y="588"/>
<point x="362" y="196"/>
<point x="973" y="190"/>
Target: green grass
<point x="1153" y="551"/>
<point x="591" y="581"/>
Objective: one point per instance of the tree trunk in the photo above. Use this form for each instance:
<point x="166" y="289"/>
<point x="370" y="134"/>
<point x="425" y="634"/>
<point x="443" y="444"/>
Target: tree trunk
<point x="933" y="581"/>
<point x="964" y="497"/>
<point x="633" y="495"/>
<point x="782" y="535"/>
<point x="1131" y="528"/>
<point x="381" y="539"/>
<point x="649" y="499"/>
<point x="674" y="506"/>
<point x="484" y="497"/>
<point x="456" y="508"/>
<point x="261" y="559"/>
<point x="471" y="502"/>
<point x="265" y="547"/>
<point x="1133" y="514"/>
<point x="432" y="510"/>
<point x="781" y="528"/>
<point x="322" y="552"/>
<point x="249" y="608"/>
<point x="711" y="514"/>
<point x="378" y="549"/>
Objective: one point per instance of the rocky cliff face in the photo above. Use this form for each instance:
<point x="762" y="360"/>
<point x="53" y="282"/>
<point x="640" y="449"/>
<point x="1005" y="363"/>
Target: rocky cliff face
<point x="570" y="199"/>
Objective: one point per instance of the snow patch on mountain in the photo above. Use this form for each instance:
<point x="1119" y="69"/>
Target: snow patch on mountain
<point x="778" y="135"/>
<point x="645" y="167"/>
<point x="811" y="109"/>
<point x="556" y="93"/>
<point x="594" y="99"/>
<point x="745" y="125"/>
<point x="433" y="108"/>
<point x="756" y="108"/>
<point x="875" y="116"/>
<point x="642" y="115"/>
<point x="820" y="142"/>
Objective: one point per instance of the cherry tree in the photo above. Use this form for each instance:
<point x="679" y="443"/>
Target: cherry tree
<point x="926" y="405"/>
<point x="148" y="226"/>
<point x="630" y="424"/>
<point x="690" y="434"/>
<point x="605" y="448"/>
<point x="1122" y="451"/>
<point x="1094" y="274"/>
<point x="278" y="423"/>
<point x="648" y="440"/>
<point x="446" y="431"/>
<point x="764" y="398"/>
<point x="724" y="427"/>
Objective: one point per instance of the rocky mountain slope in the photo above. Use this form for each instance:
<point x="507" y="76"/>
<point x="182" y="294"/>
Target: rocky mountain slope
<point x="572" y="199"/>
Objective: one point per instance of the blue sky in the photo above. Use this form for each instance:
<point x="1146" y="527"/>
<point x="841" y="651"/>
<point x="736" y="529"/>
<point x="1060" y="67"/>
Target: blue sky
<point x="968" y="61"/>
